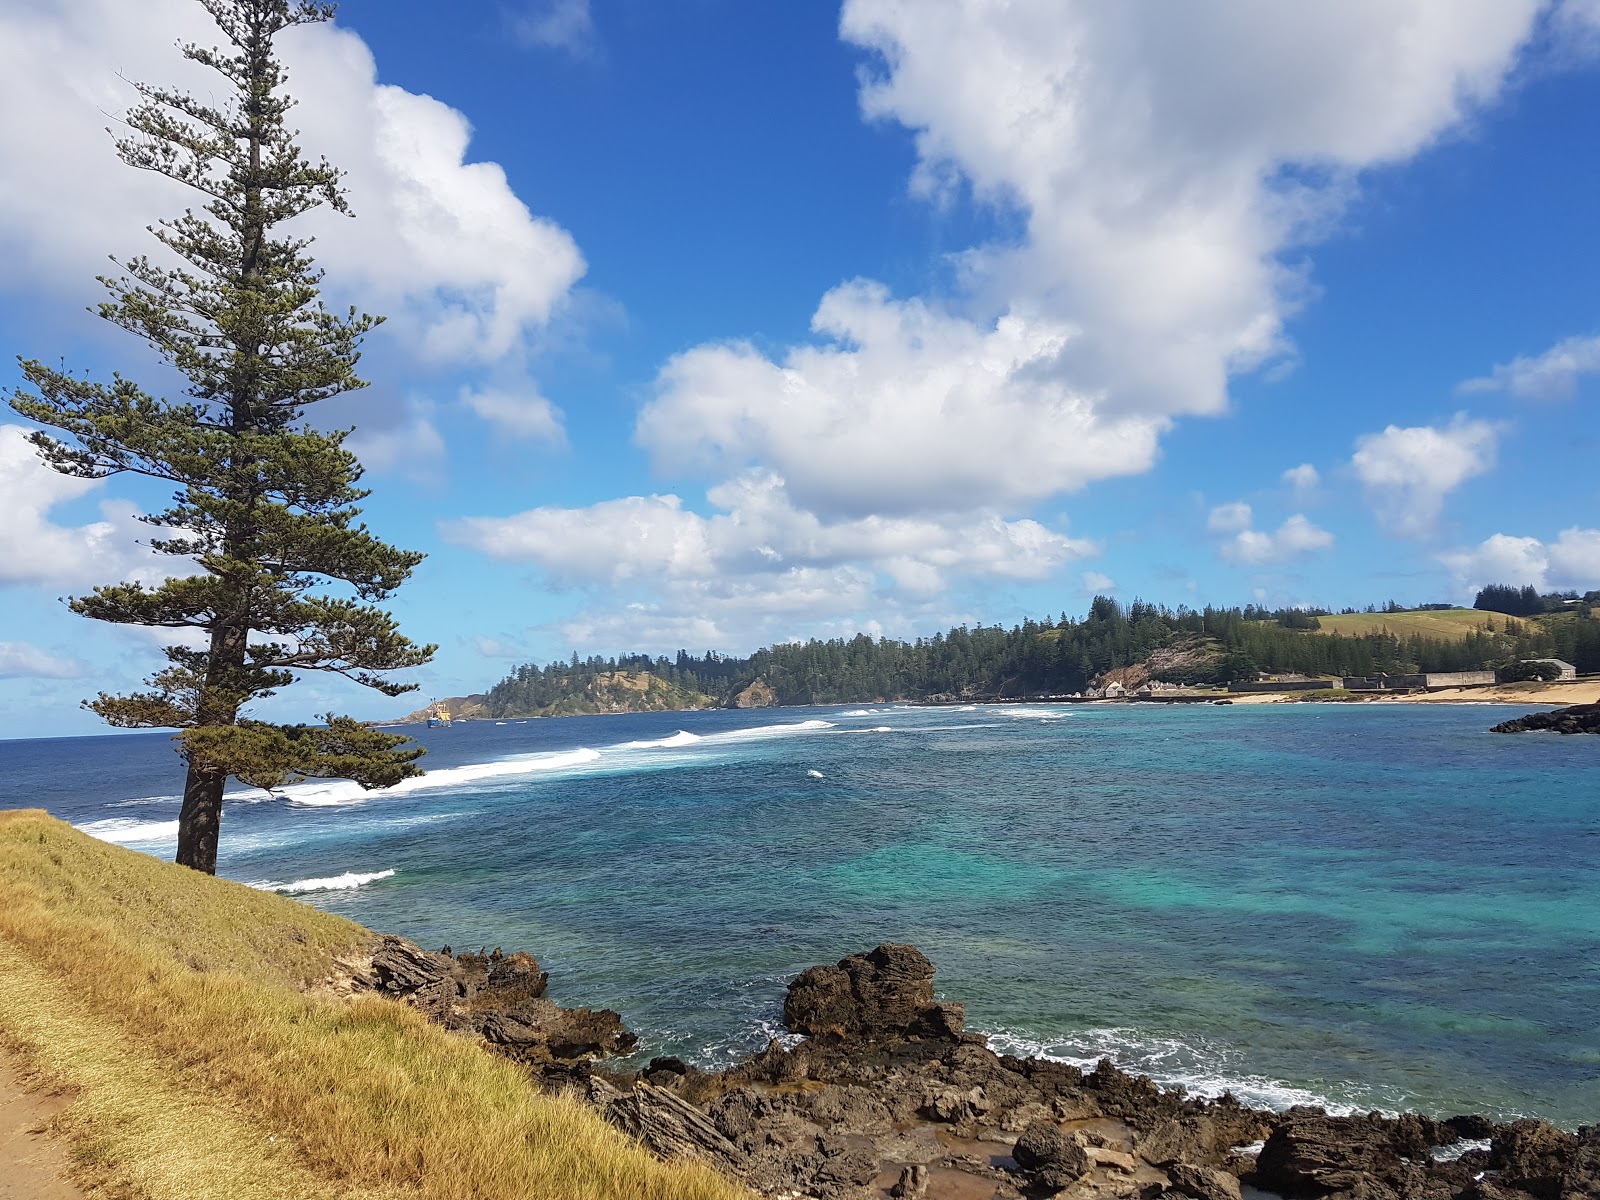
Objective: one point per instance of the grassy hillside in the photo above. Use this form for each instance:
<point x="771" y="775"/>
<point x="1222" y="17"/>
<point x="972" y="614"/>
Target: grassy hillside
<point x="1453" y="624"/>
<point x="183" y="1013"/>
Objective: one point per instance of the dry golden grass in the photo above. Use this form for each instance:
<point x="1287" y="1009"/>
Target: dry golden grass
<point x="175" y="1005"/>
<point x="1449" y="624"/>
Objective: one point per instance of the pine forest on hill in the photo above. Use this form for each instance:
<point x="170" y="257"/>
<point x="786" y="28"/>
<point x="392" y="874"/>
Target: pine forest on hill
<point x="1211" y="646"/>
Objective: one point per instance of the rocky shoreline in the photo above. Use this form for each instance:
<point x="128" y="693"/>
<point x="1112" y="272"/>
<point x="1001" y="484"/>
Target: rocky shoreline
<point x="1580" y="718"/>
<point x="886" y="1094"/>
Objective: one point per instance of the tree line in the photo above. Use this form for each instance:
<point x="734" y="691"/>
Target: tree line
<point x="1060" y="656"/>
<point x="1529" y="602"/>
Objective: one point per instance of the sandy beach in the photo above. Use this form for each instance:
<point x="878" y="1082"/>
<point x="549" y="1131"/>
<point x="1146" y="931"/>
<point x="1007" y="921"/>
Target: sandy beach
<point x="1534" y="695"/>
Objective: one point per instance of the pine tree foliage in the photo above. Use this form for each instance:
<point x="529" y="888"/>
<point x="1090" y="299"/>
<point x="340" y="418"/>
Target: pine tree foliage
<point x="265" y="506"/>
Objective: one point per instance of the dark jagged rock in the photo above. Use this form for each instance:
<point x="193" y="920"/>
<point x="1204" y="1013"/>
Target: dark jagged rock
<point x="499" y="997"/>
<point x="673" y="1127"/>
<point x="1473" y="1127"/>
<point x="1580" y="718"/>
<point x="886" y="995"/>
<point x="1536" y="1157"/>
<point x="1202" y="1183"/>
<point x="912" y="1184"/>
<point x="1050" y="1157"/>
<point x="405" y="971"/>
<point x="539" y="1032"/>
<point x="1313" y="1154"/>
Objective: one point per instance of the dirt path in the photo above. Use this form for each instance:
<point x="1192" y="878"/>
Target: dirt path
<point x="33" y="1165"/>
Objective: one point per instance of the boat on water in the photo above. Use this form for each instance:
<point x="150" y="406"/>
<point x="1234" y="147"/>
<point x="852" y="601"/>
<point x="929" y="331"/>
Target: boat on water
<point x="438" y="716"/>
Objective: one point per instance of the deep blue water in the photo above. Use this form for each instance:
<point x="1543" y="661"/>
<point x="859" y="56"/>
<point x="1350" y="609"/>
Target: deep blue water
<point x="1376" y="906"/>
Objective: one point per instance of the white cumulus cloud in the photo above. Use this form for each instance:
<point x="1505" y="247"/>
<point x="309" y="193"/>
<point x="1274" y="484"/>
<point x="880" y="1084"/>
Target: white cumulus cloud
<point x="1572" y="561"/>
<point x="34" y="549"/>
<point x="557" y="24"/>
<point x="1296" y="538"/>
<point x="653" y="561"/>
<point x="23" y="660"/>
<point x="1552" y="375"/>
<point x="517" y="412"/>
<point x="1161" y="161"/>
<point x="1408" y="471"/>
<point x="1099" y="584"/>
<point x="1303" y="479"/>
<point x="908" y="408"/>
<point x="441" y="244"/>
<point x="1230" y="518"/>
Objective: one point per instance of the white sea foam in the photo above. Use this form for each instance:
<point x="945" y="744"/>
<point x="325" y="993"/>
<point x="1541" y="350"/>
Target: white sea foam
<point x="1455" y="1151"/>
<point x="1024" y="713"/>
<point x="125" y="831"/>
<point x="681" y="738"/>
<point x="769" y="731"/>
<point x="136" y="801"/>
<point x="338" y="793"/>
<point x="1201" y="1070"/>
<point x="333" y="883"/>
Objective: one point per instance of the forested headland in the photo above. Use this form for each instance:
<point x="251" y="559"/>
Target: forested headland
<point x="1057" y="656"/>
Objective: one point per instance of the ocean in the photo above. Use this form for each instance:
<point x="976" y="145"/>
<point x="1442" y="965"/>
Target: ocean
<point x="1362" y="906"/>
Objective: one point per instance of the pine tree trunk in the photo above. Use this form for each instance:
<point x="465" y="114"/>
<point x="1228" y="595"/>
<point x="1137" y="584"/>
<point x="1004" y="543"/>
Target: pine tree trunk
<point x="200" y="819"/>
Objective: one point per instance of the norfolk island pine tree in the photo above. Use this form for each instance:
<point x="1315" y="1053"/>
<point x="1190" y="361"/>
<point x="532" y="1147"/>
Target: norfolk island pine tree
<point x="265" y="505"/>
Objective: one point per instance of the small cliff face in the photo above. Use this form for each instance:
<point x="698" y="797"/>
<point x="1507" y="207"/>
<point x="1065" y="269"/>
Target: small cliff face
<point x="580" y="695"/>
<point x="625" y="692"/>
<point x="755" y="695"/>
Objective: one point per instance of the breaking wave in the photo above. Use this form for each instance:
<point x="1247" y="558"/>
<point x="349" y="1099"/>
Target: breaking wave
<point x="1201" y="1069"/>
<point x="125" y="831"/>
<point x="769" y="731"/>
<point x="349" y="881"/>
<point x="681" y="738"/>
<point x="341" y="792"/>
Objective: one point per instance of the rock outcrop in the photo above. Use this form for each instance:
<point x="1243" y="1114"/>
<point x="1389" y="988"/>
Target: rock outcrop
<point x="500" y="997"/>
<point x="757" y="694"/>
<point x="1580" y="718"/>
<point x="885" y="995"/>
<point x="886" y="1088"/>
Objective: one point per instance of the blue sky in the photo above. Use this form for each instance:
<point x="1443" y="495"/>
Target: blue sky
<point x="717" y="324"/>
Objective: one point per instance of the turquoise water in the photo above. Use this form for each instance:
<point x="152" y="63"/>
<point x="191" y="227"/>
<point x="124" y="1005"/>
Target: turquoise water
<point x="1368" y="906"/>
